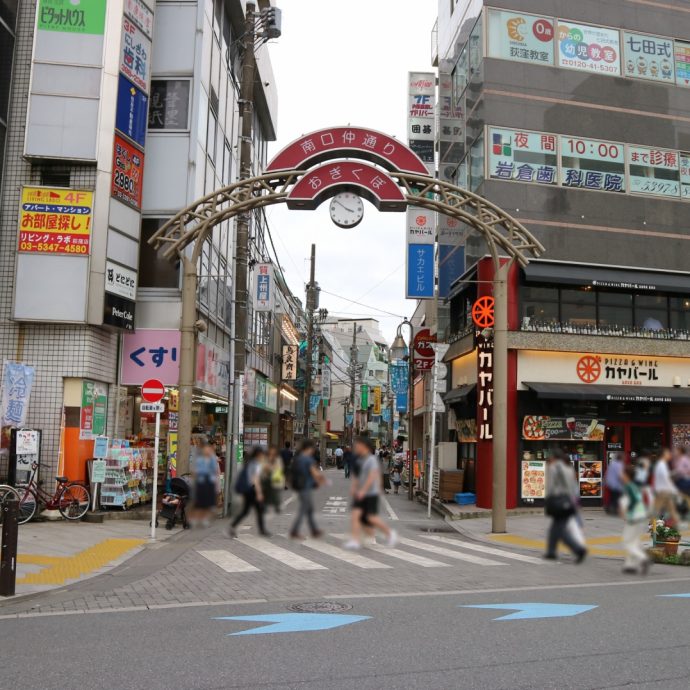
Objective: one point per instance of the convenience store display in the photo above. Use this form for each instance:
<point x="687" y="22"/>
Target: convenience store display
<point x="128" y="476"/>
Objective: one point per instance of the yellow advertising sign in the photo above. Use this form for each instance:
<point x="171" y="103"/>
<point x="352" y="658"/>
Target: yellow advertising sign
<point x="55" y="221"/>
<point x="377" y="399"/>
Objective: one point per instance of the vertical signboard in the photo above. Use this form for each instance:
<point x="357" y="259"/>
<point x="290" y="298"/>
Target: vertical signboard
<point x="376" y="390"/>
<point x="128" y="173"/>
<point x="17" y="381"/>
<point x="289" y="369"/>
<point x="420" y="271"/>
<point x="485" y="387"/>
<point x="94" y="410"/>
<point x="264" y="294"/>
<point x="135" y="55"/>
<point x="131" y="115"/>
<point x="364" y="396"/>
<point x="421" y="114"/>
<point x="681" y="54"/>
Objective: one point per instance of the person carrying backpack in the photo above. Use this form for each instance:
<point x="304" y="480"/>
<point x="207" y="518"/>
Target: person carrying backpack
<point x="306" y="476"/>
<point x="248" y="485"/>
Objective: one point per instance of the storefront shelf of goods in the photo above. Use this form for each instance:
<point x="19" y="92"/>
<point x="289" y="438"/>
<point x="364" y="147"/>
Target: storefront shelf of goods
<point x="127" y="476"/>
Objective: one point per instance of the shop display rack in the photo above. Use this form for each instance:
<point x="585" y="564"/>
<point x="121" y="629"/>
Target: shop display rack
<point x="128" y="476"/>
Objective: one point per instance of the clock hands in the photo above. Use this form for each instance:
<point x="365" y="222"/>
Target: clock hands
<point x="349" y="210"/>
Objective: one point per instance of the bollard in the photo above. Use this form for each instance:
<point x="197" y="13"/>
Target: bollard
<point x="8" y="547"/>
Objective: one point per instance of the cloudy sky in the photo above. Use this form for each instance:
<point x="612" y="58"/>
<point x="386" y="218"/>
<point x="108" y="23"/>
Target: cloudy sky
<point x="346" y="62"/>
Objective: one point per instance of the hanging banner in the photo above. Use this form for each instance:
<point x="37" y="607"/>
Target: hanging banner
<point x="17" y="380"/>
<point x="401" y="401"/>
<point x="314" y="400"/>
<point x="399" y="377"/>
<point x="376" y="390"/>
<point x="325" y="382"/>
<point x="364" y="396"/>
<point x="264" y="295"/>
<point x="289" y="369"/>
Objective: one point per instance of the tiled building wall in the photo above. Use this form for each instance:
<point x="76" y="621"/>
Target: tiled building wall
<point x="56" y="351"/>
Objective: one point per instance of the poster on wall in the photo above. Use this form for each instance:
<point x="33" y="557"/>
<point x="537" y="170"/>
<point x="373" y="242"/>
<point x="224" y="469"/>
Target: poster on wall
<point x="654" y="171"/>
<point x="135" y="55"/>
<point x="592" y="164"/>
<point x="543" y="428"/>
<point x="681" y="53"/>
<point x="648" y="57"/>
<point x="522" y="156"/>
<point x="94" y="410"/>
<point x="55" y="221"/>
<point x="588" y="48"/>
<point x="533" y="479"/>
<point x="519" y="36"/>
<point x="128" y="173"/>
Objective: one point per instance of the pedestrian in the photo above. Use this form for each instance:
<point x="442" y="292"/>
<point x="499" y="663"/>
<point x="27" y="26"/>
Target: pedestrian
<point x="317" y="458"/>
<point x="665" y="491"/>
<point x="560" y="505"/>
<point x="386" y="469"/>
<point x="348" y="461"/>
<point x="634" y="512"/>
<point x="339" y="458"/>
<point x="272" y="479"/>
<point x="206" y="475"/>
<point x="681" y="472"/>
<point x="249" y="487"/>
<point x="366" y="487"/>
<point x="306" y="476"/>
<point x="397" y="478"/>
<point x="613" y="480"/>
<point x="287" y="456"/>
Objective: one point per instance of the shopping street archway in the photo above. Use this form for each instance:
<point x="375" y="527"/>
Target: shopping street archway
<point x="383" y="170"/>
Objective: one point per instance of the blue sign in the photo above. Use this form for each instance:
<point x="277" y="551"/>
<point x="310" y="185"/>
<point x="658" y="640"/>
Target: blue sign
<point x="534" y="610"/>
<point x="399" y="377"/>
<point x="100" y="447"/>
<point x="420" y="271"/>
<point x="17" y="380"/>
<point x="314" y="402"/>
<point x="131" y="113"/>
<point x="451" y="265"/>
<point x="401" y="401"/>
<point x="386" y="414"/>
<point x="294" y="622"/>
<point x="349" y="418"/>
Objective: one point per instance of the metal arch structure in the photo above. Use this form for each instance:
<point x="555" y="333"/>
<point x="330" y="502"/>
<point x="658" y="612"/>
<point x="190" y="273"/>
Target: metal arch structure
<point x="504" y="235"/>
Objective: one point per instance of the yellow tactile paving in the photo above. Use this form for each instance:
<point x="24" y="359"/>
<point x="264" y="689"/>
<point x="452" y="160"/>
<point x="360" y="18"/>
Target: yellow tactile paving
<point x="540" y="544"/>
<point x="60" y="569"/>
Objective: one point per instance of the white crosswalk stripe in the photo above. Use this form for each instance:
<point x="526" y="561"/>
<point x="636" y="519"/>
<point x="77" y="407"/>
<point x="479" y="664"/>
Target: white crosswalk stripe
<point x="341" y="554"/>
<point x="456" y="555"/>
<point x="485" y="549"/>
<point x="228" y="561"/>
<point x="288" y="558"/>
<point x="402" y="555"/>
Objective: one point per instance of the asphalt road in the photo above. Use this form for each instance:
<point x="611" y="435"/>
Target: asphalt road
<point x="160" y="620"/>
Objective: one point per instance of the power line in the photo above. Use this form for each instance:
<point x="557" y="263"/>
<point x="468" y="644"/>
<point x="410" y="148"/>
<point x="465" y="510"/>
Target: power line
<point x="361" y="304"/>
<point x="393" y="272"/>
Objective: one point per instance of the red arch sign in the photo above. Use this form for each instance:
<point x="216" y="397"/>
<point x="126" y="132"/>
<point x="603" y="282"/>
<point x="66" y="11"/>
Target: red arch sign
<point x="347" y="142"/>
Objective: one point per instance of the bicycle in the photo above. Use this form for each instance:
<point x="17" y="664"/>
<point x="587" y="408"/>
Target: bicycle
<point x="6" y="492"/>
<point x="72" y="499"/>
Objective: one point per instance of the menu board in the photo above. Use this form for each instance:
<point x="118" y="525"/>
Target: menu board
<point x="523" y="156"/>
<point x="589" y="476"/>
<point x="592" y="164"/>
<point x="648" y="57"/>
<point x="654" y="171"/>
<point x="533" y="479"/>
<point x="588" y="48"/>
<point x="542" y="428"/>
<point x="255" y="435"/>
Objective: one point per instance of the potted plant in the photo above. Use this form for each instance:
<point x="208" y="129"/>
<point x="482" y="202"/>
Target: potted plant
<point x="668" y="537"/>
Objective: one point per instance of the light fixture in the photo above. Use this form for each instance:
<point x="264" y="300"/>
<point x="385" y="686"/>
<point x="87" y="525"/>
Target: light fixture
<point x="288" y="395"/>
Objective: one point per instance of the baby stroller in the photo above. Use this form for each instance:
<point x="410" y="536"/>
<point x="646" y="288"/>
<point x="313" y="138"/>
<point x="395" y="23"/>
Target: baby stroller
<point x="174" y="503"/>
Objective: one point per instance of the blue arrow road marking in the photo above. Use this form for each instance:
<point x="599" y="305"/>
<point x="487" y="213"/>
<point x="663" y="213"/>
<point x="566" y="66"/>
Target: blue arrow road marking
<point x="677" y="596"/>
<point x="294" y="622"/>
<point x="534" y="610"/>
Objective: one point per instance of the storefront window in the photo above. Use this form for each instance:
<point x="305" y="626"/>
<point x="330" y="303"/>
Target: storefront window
<point x="680" y="313"/>
<point x="477" y="163"/>
<point x="651" y="312"/>
<point x="578" y="307"/>
<point x="615" y="309"/>
<point x="539" y="304"/>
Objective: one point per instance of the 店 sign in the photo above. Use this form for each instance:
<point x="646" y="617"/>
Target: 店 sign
<point x="376" y="390"/>
<point x="128" y="173"/>
<point x="524" y="37"/>
<point x="589" y="48"/>
<point x="120" y="280"/>
<point x="80" y="17"/>
<point x="151" y="354"/>
<point x="420" y="271"/>
<point x="421" y="110"/>
<point x="55" y="221"/>
<point x="94" y="409"/>
<point x="600" y="369"/>
<point x="265" y="290"/>
<point x="289" y="370"/>
<point x="135" y="55"/>
<point x="485" y="388"/>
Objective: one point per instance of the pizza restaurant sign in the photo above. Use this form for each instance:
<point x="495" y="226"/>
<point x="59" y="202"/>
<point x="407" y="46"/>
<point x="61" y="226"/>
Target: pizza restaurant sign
<point x="601" y="369"/>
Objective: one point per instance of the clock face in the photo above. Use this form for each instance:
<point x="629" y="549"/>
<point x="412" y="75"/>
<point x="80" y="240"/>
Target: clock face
<point x="347" y="210"/>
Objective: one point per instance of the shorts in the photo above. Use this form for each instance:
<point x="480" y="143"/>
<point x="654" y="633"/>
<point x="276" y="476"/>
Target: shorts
<point x="369" y="505"/>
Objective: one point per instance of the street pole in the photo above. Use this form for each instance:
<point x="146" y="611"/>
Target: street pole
<point x="154" y="493"/>
<point x="353" y="381"/>
<point x="311" y="306"/>
<point x="500" y="399"/>
<point x="410" y="417"/>
<point x="432" y="450"/>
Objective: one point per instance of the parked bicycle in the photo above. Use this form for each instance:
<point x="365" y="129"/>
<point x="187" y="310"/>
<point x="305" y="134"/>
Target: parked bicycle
<point x="6" y="492"/>
<point x="72" y="499"/>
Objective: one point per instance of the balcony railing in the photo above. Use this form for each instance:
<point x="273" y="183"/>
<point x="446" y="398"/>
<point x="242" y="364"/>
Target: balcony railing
<point x="608" y="330"/>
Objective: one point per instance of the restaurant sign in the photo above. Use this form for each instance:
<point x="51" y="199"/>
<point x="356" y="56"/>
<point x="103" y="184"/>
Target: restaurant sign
<point x="541" y="428"/>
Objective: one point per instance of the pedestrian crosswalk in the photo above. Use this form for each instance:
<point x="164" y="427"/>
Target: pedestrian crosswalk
<point x="251" y="554"/>
<point x="335" y="505"/>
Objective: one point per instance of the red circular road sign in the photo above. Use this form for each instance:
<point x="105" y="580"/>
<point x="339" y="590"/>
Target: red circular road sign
<point x="152" y="390"/>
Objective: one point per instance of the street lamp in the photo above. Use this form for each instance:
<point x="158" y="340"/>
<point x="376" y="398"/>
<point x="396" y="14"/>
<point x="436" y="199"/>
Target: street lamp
<point x="402" y="351"/>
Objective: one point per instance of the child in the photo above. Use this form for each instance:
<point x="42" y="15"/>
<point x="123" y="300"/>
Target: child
<point x="397" y="479"/>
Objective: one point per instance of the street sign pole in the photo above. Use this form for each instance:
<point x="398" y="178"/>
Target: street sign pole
<point x="153" y="392"/>
<point x="154" y="497"/>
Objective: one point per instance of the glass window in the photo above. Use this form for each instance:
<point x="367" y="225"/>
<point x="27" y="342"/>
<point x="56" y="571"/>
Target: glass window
<point x="651" y="312"/>
<point x="615" y="309"/>
<point x="8" y="12"/>
<point x="460" y="75"/>
<point x="680" y="313"/>
<point x="169" y="104"/>
<point x="155" y="270"/>
<point x="6" y="50"/>
<point x="579" y="307"/>
<point x="476" y="48"/>
<point x="477" y="164"/>
<point x="539" y="304"/>
<point x="211" y="137"/>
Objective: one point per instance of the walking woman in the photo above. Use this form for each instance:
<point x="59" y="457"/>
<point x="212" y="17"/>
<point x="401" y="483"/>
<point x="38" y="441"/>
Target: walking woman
<point x="249" y="487"/>
<point x="560" y="506"/>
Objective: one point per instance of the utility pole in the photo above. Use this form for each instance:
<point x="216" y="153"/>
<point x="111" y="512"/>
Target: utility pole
<point x="353" y="381"/>
<point x="410" y="419"/>
<point x="312" y="305"/>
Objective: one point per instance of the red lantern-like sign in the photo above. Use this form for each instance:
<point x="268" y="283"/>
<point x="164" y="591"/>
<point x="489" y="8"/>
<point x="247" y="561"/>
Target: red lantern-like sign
<point x="483" y="312"/>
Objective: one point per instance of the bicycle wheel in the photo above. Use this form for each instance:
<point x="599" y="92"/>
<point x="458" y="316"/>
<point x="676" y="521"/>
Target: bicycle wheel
<point x="74" y="501"/>
<point x="28" y="504"/>
<point x="5" y="493"/>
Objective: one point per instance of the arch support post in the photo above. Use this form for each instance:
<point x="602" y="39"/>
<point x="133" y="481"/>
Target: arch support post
<point x="187" y="360"/>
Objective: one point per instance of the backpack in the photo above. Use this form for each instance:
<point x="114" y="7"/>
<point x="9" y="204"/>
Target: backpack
<point x="298" y="474"/>
<point x="243" y="485"/>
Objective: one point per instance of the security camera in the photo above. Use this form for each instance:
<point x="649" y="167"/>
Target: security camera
<point x="201" y="326"/>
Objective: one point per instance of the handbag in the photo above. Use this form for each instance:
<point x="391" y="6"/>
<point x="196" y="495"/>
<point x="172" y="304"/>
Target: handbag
<point x="559" y="505"/>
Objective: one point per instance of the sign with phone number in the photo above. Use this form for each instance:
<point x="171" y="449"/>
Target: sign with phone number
<point x="128" y="173"/>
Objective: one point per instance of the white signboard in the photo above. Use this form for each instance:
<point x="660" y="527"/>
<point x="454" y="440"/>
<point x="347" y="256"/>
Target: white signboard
<point x="27" y="442"/>
<point x="518" y="36"/>
<point x="135" y="54"/>
<point x="325" y="382"/>
<point x="421" y="226"/>
<point x="589" y="48"/>
<point x="141" y="14"/>
<point x="648" y="57"/>
<point x="120" y="280"/>
<point x="152" y="408"/>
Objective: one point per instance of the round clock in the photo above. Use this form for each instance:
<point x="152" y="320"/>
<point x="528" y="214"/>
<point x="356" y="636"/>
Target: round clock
<point x="347" y="210"/>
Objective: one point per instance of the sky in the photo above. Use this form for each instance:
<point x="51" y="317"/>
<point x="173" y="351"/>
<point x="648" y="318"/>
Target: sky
<point x="341" y="62"/>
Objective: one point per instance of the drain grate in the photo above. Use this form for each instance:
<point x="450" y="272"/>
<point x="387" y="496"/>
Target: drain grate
<point x="320" y="607"/>
<point x="436" y="530"/>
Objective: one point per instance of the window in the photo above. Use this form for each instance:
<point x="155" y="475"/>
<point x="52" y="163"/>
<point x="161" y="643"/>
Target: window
<point x="680" y="313"/>
<point x="579" y="307"/>
<point x="615" y="309"/>
<point x="155" y="271"/>
<point x="477" y="164"/>
<point x="651" y="312"/>
<point x="211" y="136"/>
<point x="169" y="104"/>
<point x="539" y="304"/>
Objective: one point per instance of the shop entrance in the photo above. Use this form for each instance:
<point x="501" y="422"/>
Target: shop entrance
<point x="630" y="438"/>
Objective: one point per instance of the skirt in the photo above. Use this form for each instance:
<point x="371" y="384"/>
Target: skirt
<point x="204" y="494"/>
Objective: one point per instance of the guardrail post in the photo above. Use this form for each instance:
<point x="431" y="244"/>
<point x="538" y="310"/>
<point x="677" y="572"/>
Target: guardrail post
<point x="8" y="546"/>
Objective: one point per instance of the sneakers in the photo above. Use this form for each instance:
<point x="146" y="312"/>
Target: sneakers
<point x="392" y="539"/>
<point x="352" y="545"/>
<point x="231" y="533"/>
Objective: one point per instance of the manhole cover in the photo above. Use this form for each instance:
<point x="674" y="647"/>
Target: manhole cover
<point x="320" y="607"/>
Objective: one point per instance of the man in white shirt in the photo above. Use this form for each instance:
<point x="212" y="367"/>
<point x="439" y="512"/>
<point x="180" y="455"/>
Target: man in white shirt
<point x="665" y="491"/>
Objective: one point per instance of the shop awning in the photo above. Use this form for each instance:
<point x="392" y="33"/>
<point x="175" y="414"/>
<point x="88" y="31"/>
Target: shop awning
<point x="583" y="391"/>
<point x="564" y="273"/>
<point x="457" y="395"/>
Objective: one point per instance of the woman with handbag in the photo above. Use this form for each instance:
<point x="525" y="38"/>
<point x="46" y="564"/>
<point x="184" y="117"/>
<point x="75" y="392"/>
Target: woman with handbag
<point x="560" y="506"/>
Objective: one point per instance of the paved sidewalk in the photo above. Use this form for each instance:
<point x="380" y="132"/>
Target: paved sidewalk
<point x="602" y="532"/>
<point x="53" y="554"/>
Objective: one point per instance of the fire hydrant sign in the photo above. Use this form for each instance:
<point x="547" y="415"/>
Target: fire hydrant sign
<point x="55" y="221"/>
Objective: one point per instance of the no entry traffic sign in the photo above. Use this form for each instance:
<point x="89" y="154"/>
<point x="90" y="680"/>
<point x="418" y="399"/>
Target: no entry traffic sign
<point x="152" y="390"/>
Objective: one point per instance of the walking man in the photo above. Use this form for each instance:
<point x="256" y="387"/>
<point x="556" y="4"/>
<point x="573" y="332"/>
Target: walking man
<point x="287" y="456"/>
<point x="249" y="487"/>
<point x="339" y="458"/>
<point x="634" y="513"/>
<point x="348" y="461"/>
<point x="306" y="476"/>
<point x="665" y="491"/>
<point x="614" y="483"/>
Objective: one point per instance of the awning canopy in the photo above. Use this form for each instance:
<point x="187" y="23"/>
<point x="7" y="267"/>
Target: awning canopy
<point x="457" y="395"/>
<point x="564" y="273"/>
<point x="583" y="391"/>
